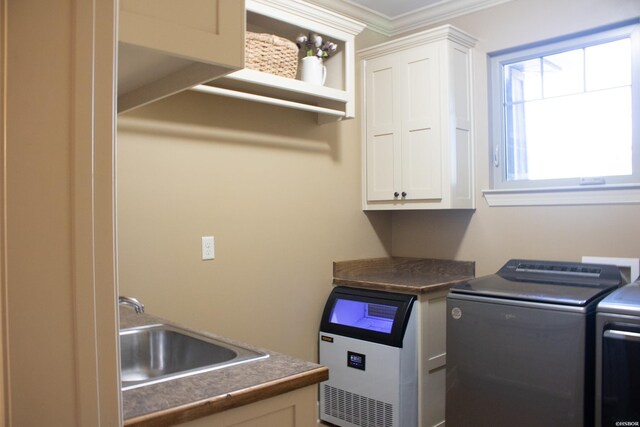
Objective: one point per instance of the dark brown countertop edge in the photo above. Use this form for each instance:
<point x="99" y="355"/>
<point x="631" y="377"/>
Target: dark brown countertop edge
<point x="215" y="404"/>
<point x="402" y="274"/>
<point x="400" y="288"/>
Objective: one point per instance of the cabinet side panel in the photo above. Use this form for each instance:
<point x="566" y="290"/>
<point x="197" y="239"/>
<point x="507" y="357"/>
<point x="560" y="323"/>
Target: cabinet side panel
<point x="435" y="393"/>
<point x="436" y="339"/>
<point x="434" y="359"/>
<point x="460" y="60"/>
<point x="462" y="160"/>
<point x="464" y="182"/>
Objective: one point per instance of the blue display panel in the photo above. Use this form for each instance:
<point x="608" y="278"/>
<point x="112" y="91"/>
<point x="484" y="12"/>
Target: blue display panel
<point x="363" y="315"/>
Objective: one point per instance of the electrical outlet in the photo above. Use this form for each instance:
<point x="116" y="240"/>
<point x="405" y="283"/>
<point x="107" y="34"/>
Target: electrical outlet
<point x="208" y="248"/>
<point x="629" y="267"/>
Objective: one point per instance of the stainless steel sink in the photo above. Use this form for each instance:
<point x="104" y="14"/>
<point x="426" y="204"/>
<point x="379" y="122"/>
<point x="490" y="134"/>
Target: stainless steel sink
<point x="155" y="353"/>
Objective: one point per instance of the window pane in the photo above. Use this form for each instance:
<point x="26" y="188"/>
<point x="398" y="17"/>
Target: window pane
<point x="567" y="111"/>
<point x="578" y="136"/>
<point x="608" y="65"/>
<point x="523" y="81"/>
<point x="563" y="73"/>
<point x="516" y="144"/>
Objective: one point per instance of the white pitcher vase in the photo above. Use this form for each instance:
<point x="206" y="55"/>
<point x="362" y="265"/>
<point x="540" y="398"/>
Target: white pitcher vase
<point x="313" y="70"/>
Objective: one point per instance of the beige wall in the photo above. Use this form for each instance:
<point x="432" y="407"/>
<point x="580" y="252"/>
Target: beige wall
<point x="492" y="235"/>
<point x="280" y="194"/>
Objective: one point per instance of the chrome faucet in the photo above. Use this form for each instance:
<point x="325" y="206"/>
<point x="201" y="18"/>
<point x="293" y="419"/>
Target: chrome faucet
<point x="133" y="303"/>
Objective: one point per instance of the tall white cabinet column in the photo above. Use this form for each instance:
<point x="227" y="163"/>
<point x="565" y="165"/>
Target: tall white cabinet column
<point x="417" y="116"/>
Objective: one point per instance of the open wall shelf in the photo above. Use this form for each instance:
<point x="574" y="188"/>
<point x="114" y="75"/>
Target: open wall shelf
<point x="286" y="18"/>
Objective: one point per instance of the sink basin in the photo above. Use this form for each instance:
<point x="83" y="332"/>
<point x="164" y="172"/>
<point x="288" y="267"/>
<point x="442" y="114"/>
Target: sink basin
<point x="155" y="353"/>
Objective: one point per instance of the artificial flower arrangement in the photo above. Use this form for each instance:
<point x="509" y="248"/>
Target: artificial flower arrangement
<point x="313" y="45"/>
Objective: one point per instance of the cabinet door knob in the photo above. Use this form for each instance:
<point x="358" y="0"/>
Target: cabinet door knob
<point x="404" y="194"/>
<point x="396" y="194"/>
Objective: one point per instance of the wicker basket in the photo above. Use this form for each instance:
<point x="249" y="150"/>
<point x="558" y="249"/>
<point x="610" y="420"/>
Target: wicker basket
<point x="271" y="54"/>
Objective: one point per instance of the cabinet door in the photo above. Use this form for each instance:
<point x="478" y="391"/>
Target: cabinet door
<point x="167" y="46"/>
<point x="296" y="408"/>
<point x="383" y="128"/>
<point x="421" y="139"/>
<point x="210" y="31"/>
<point x="403" y="141"/>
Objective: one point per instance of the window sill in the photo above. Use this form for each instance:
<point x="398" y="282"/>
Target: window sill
<point x="564" y="196"/>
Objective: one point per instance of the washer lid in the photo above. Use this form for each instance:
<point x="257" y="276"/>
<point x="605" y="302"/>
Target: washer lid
<point x="548" y="282"/>
<point x="625" y="300"/>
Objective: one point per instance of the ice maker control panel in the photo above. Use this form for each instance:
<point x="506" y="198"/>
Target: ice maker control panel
<point x="356" y="360"/>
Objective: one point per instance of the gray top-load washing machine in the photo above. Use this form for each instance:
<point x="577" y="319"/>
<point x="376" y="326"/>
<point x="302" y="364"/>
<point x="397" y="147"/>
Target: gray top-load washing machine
<point x="618" y="358"/>
<point x="521" y="345"/>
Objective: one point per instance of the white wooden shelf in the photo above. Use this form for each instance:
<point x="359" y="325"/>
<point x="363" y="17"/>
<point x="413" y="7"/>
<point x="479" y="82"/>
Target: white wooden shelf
<point x="271" y="83"/>
<point x="268" y="100"/>
<point x="288" y="18"/>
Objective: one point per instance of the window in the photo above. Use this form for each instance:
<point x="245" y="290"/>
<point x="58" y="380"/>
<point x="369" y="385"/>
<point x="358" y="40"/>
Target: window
<point x="566" y="113"/>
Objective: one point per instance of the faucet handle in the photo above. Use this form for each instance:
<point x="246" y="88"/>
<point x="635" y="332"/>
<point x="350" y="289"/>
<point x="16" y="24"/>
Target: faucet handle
<point x="133" y="303"/>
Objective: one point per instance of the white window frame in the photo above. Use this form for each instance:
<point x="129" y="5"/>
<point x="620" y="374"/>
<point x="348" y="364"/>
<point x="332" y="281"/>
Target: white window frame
<point x="567" y="191"/>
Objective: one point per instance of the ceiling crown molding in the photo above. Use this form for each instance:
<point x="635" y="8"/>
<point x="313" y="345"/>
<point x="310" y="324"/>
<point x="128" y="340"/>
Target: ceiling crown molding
<point x="375" y="21"/>
<point x="420" y="18"/>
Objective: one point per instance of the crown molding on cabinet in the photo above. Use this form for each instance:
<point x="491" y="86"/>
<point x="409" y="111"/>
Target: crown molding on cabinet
<point x="444" y="32"/>
<point x="310" y="11"/>
<point x="420" y="18"/>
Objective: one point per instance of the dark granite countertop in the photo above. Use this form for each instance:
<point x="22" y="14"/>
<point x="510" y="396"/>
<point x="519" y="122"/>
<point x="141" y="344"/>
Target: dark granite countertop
<point x="401" y="274"/>
<point x="196" y="396"/>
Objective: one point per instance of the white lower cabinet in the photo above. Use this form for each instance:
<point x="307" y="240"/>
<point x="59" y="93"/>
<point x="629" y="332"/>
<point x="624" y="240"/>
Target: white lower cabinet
<point x="293" y="409"/>
<point x="417" y="136"/>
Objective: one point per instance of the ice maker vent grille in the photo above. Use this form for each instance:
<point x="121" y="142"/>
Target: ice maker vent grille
<point x="356" y="409"/>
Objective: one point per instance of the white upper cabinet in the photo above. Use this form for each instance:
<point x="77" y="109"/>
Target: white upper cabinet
<point x="417" y="136"/>
<point x="332" y="101"/>
<point x="166" y="46"/>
